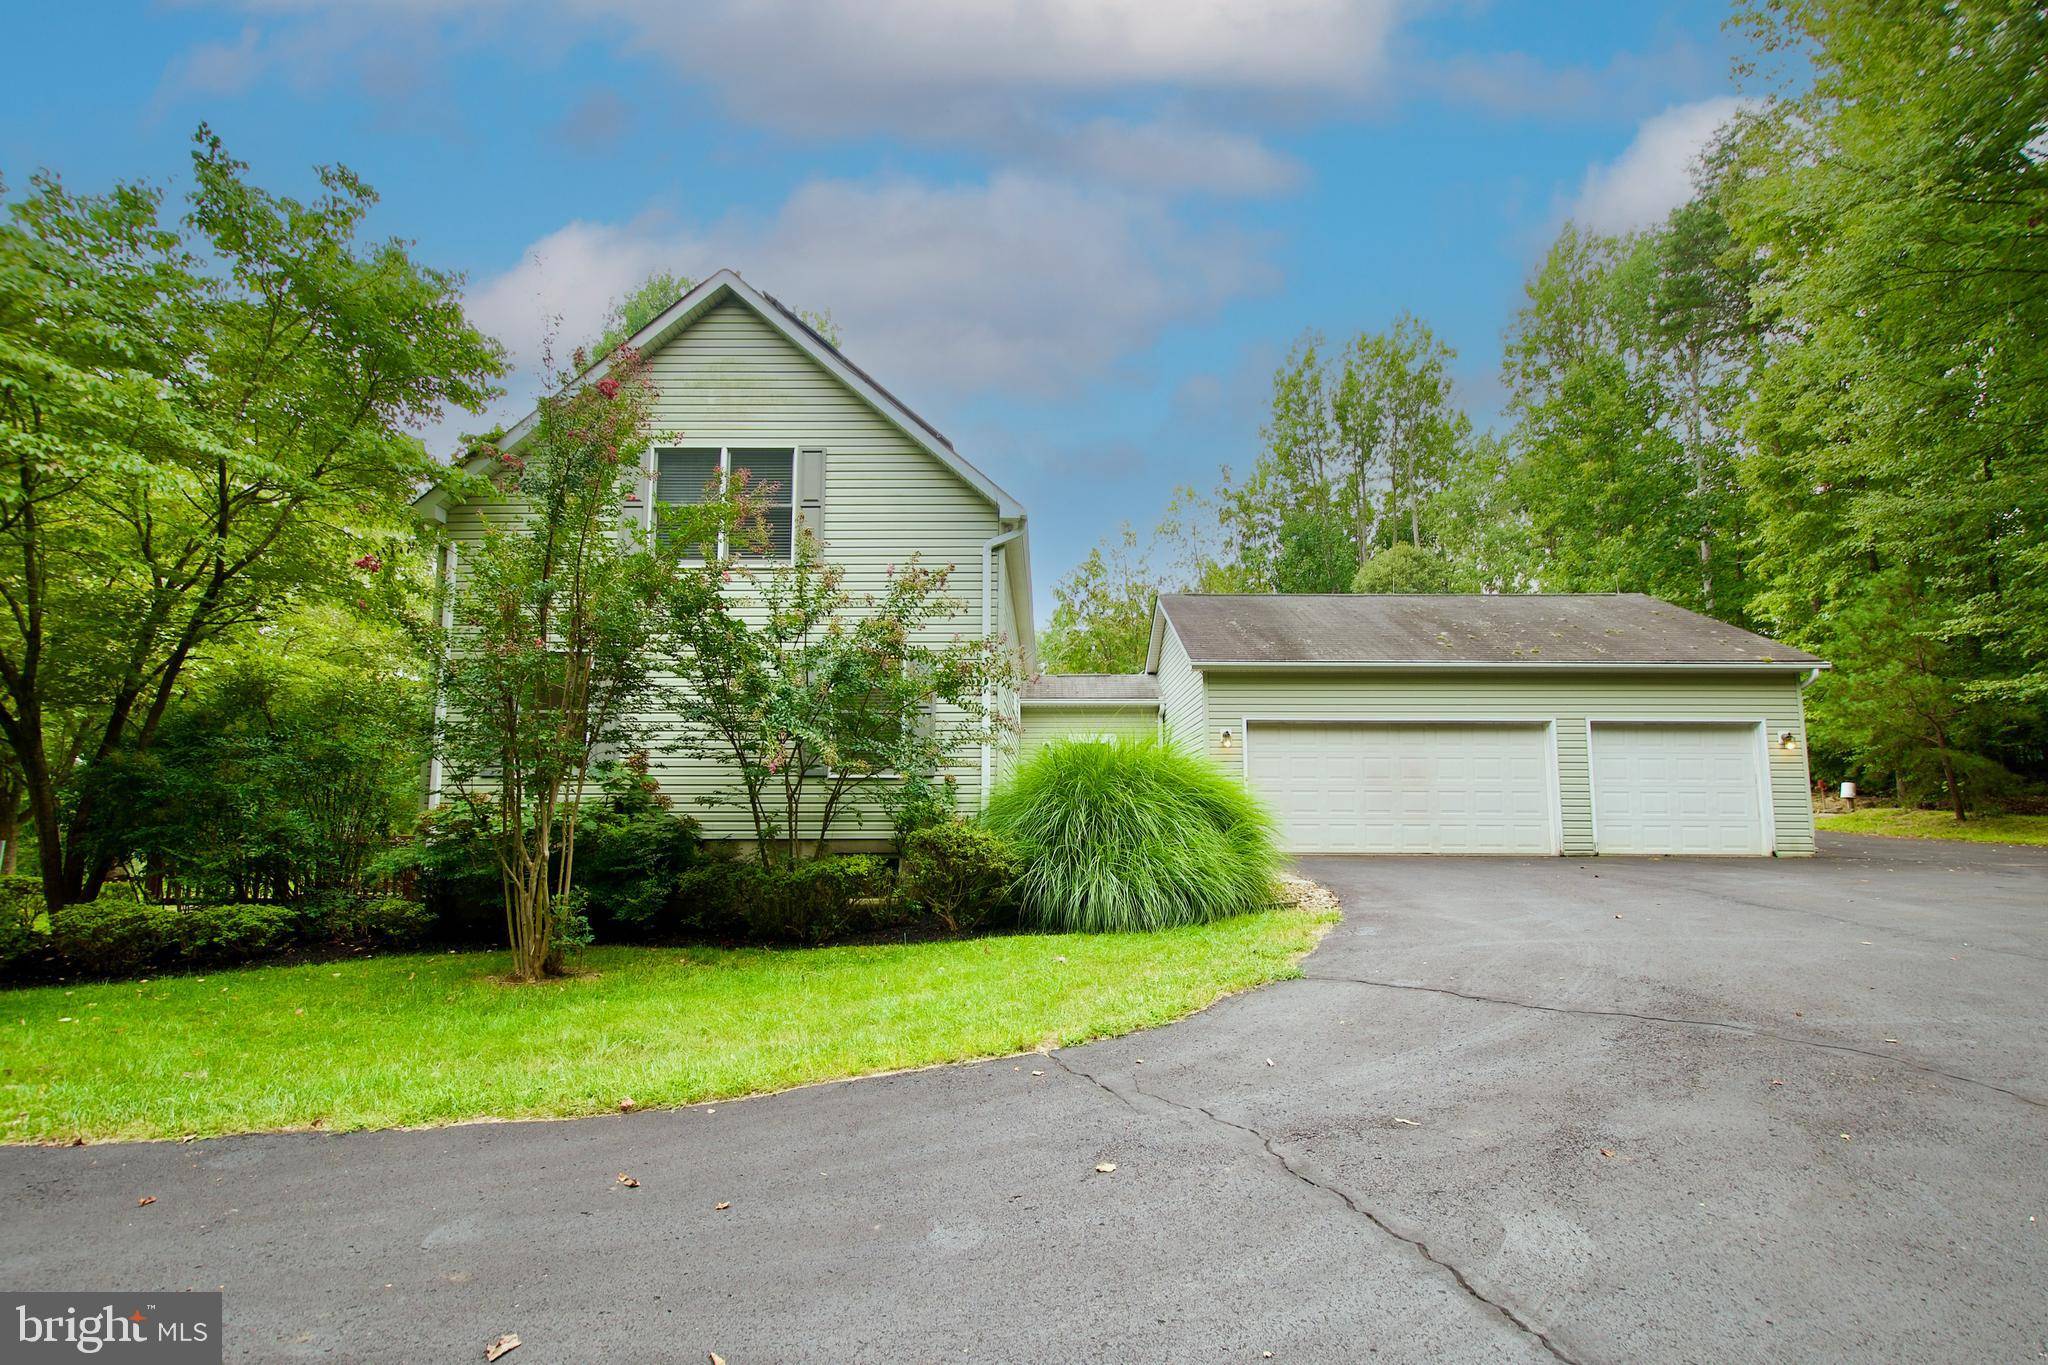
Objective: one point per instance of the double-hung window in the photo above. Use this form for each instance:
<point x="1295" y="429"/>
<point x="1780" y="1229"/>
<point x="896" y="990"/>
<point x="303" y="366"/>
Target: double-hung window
<point x="689" y="475"/>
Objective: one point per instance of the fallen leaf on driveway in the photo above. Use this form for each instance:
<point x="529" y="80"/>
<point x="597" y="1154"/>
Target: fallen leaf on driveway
<point x="1607" y="1151"/>
<point x="508" y="1342"/>
<point x="1845" y="1137"/>
<point x="1269" y="1061"/>
<point x="1104" y="1167"/>
<point x="1776" y="1081"/>
<point x="1891" y="1040"/>
<point x="146" y="1199"/>
<point x="722" y="1206"/>
<point x="628" y="1181"/>
<point x="1038" y="1073"/>
<point x="716" y="1358"/>
<point x="1410" y="1122"/>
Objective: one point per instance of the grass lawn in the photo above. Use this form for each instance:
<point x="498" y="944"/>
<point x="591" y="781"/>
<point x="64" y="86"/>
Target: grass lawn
<point x="424" y="1039"/>
<point x="1937" y="824"/>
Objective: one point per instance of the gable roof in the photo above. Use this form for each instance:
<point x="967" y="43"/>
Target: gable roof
<point x="727" y="284"/>
<point x="1398" y="630"/>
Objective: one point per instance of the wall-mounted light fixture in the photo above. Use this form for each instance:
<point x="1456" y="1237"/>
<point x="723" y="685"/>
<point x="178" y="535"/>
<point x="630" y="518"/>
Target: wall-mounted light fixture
<point x="1228" y="740"/>
<point x="1788" y="741"/>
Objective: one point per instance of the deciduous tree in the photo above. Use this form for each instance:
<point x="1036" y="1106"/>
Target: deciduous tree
<point x="200" y="422"/>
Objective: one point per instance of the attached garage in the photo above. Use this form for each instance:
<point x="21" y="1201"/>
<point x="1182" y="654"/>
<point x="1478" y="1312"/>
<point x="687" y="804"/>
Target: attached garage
<point x="1679" y="787"/>
<point x="1423" y="787"/>
<point x="1531" y="725"/>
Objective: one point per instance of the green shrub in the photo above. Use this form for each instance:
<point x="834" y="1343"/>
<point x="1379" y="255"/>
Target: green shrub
<point x="21" y="898"/>
<point x="1133" y="834"/>
<point x="210" y="935"/>
<point x="114" y="936"/>
<point x="20" y="945"/>
<point x="365" y="923"/>
<point x="815" y="902"/>
<point x="958" y="873"/>
<point x="630" y="850"/>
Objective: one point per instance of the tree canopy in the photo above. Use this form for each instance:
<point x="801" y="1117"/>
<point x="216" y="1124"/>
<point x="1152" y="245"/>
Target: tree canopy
<point x="1812" y="401"/>
<point x="201" y="422"/>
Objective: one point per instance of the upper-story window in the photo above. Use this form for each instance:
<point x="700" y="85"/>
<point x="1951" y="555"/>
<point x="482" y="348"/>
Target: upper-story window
<point x="695" y="474"/>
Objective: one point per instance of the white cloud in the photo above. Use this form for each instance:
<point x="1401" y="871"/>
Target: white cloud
<point x="1653" y="175"/>
<point x="1173" y="157"/>
<point x="808" y="63"/>
<point x="1020" y="285"/>
<point x="1026" y="78"/>
<point x="215" y="68"/>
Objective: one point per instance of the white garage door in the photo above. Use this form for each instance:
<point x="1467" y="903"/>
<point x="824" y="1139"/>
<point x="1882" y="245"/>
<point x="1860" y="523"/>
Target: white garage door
<point x="1677" y="789"/>
<point x="1361" y="788"/>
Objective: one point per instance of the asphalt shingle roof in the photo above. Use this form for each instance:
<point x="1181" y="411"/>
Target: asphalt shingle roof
<point x="1617" y="628"/>
<point x="1092" y="687"/>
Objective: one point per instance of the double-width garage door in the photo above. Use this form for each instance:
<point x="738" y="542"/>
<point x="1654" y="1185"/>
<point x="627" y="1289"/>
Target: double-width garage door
<point x="1677" y="788"/>
<point x="1380" y="788"/>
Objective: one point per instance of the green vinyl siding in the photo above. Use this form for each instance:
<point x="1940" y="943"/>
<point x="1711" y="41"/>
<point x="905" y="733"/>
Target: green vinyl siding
<point x="1068" y="721"/>
<point x="1182" y="716"/>
<point x="731" y="379"/>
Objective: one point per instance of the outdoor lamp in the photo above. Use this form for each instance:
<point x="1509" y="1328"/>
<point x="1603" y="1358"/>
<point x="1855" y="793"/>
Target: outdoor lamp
<point x="1787" y="742"/>
<point x="1228" y="740"/>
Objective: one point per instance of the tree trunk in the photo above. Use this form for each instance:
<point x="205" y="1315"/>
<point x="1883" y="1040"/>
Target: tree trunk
<point x="10" y="829"/>
<point x="1949" y="777"/>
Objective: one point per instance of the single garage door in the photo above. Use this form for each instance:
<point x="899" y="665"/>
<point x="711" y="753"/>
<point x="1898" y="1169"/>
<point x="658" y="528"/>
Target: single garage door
<point x="1677" y="788"/>
<point x="1375" y="788"/>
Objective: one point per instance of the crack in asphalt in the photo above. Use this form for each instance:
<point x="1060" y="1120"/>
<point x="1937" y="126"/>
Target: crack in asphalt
<point x="1288" y="1166"/>
<point x="1588" y="1012"/>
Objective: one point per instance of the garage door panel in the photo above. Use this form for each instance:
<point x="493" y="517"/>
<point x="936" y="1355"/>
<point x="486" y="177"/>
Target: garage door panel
<point x="1385" y="788"/>
<point x="1676" y="787"/>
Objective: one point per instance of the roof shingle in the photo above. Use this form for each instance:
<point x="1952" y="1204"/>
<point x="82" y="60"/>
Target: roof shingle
<point x="1105" y="687"/>
<point x="1611" y="629"/>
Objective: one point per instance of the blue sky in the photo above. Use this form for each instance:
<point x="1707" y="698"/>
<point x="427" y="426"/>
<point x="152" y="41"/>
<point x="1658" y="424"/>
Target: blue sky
<point x="1077" y="234"/>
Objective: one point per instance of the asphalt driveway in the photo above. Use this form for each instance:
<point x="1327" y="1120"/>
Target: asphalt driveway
<point x="1656" y="1110"/>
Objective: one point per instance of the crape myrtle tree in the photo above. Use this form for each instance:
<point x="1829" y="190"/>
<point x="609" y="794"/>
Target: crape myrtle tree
<point x="201" y="422"/>
<point x="813" y="695"/>
<point x="545" y="660"/>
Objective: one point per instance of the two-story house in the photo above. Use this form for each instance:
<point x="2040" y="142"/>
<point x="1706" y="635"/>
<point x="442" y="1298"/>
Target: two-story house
<point x="1372" y="724"/>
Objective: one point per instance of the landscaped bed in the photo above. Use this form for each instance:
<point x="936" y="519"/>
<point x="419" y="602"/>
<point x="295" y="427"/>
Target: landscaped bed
<point x="426" y="1039"/>
<point x="1938" y="824"/>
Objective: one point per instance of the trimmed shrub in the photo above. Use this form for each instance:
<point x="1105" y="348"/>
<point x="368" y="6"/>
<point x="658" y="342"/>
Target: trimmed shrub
<point x="21" y="899"/>
<point x="19" y="944"/>
<point x="1132" y="834"/>
<point x="815" y="902"/>
<point x="109" y="937"/>
<point x="208" y="935"/>
<point x="958" y="873"/>
<point x="365" y="923"/>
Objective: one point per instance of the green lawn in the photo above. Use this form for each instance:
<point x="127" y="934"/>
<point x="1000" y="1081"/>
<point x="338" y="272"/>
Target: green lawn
<point x="1936" y="824"/>
<point x="424" y="1039"/>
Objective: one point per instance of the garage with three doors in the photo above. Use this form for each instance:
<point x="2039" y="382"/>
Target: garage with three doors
<point x="1511" y="725"/>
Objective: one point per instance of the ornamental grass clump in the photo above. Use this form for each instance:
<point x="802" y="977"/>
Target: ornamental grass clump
<point x="1132" y="834"/>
